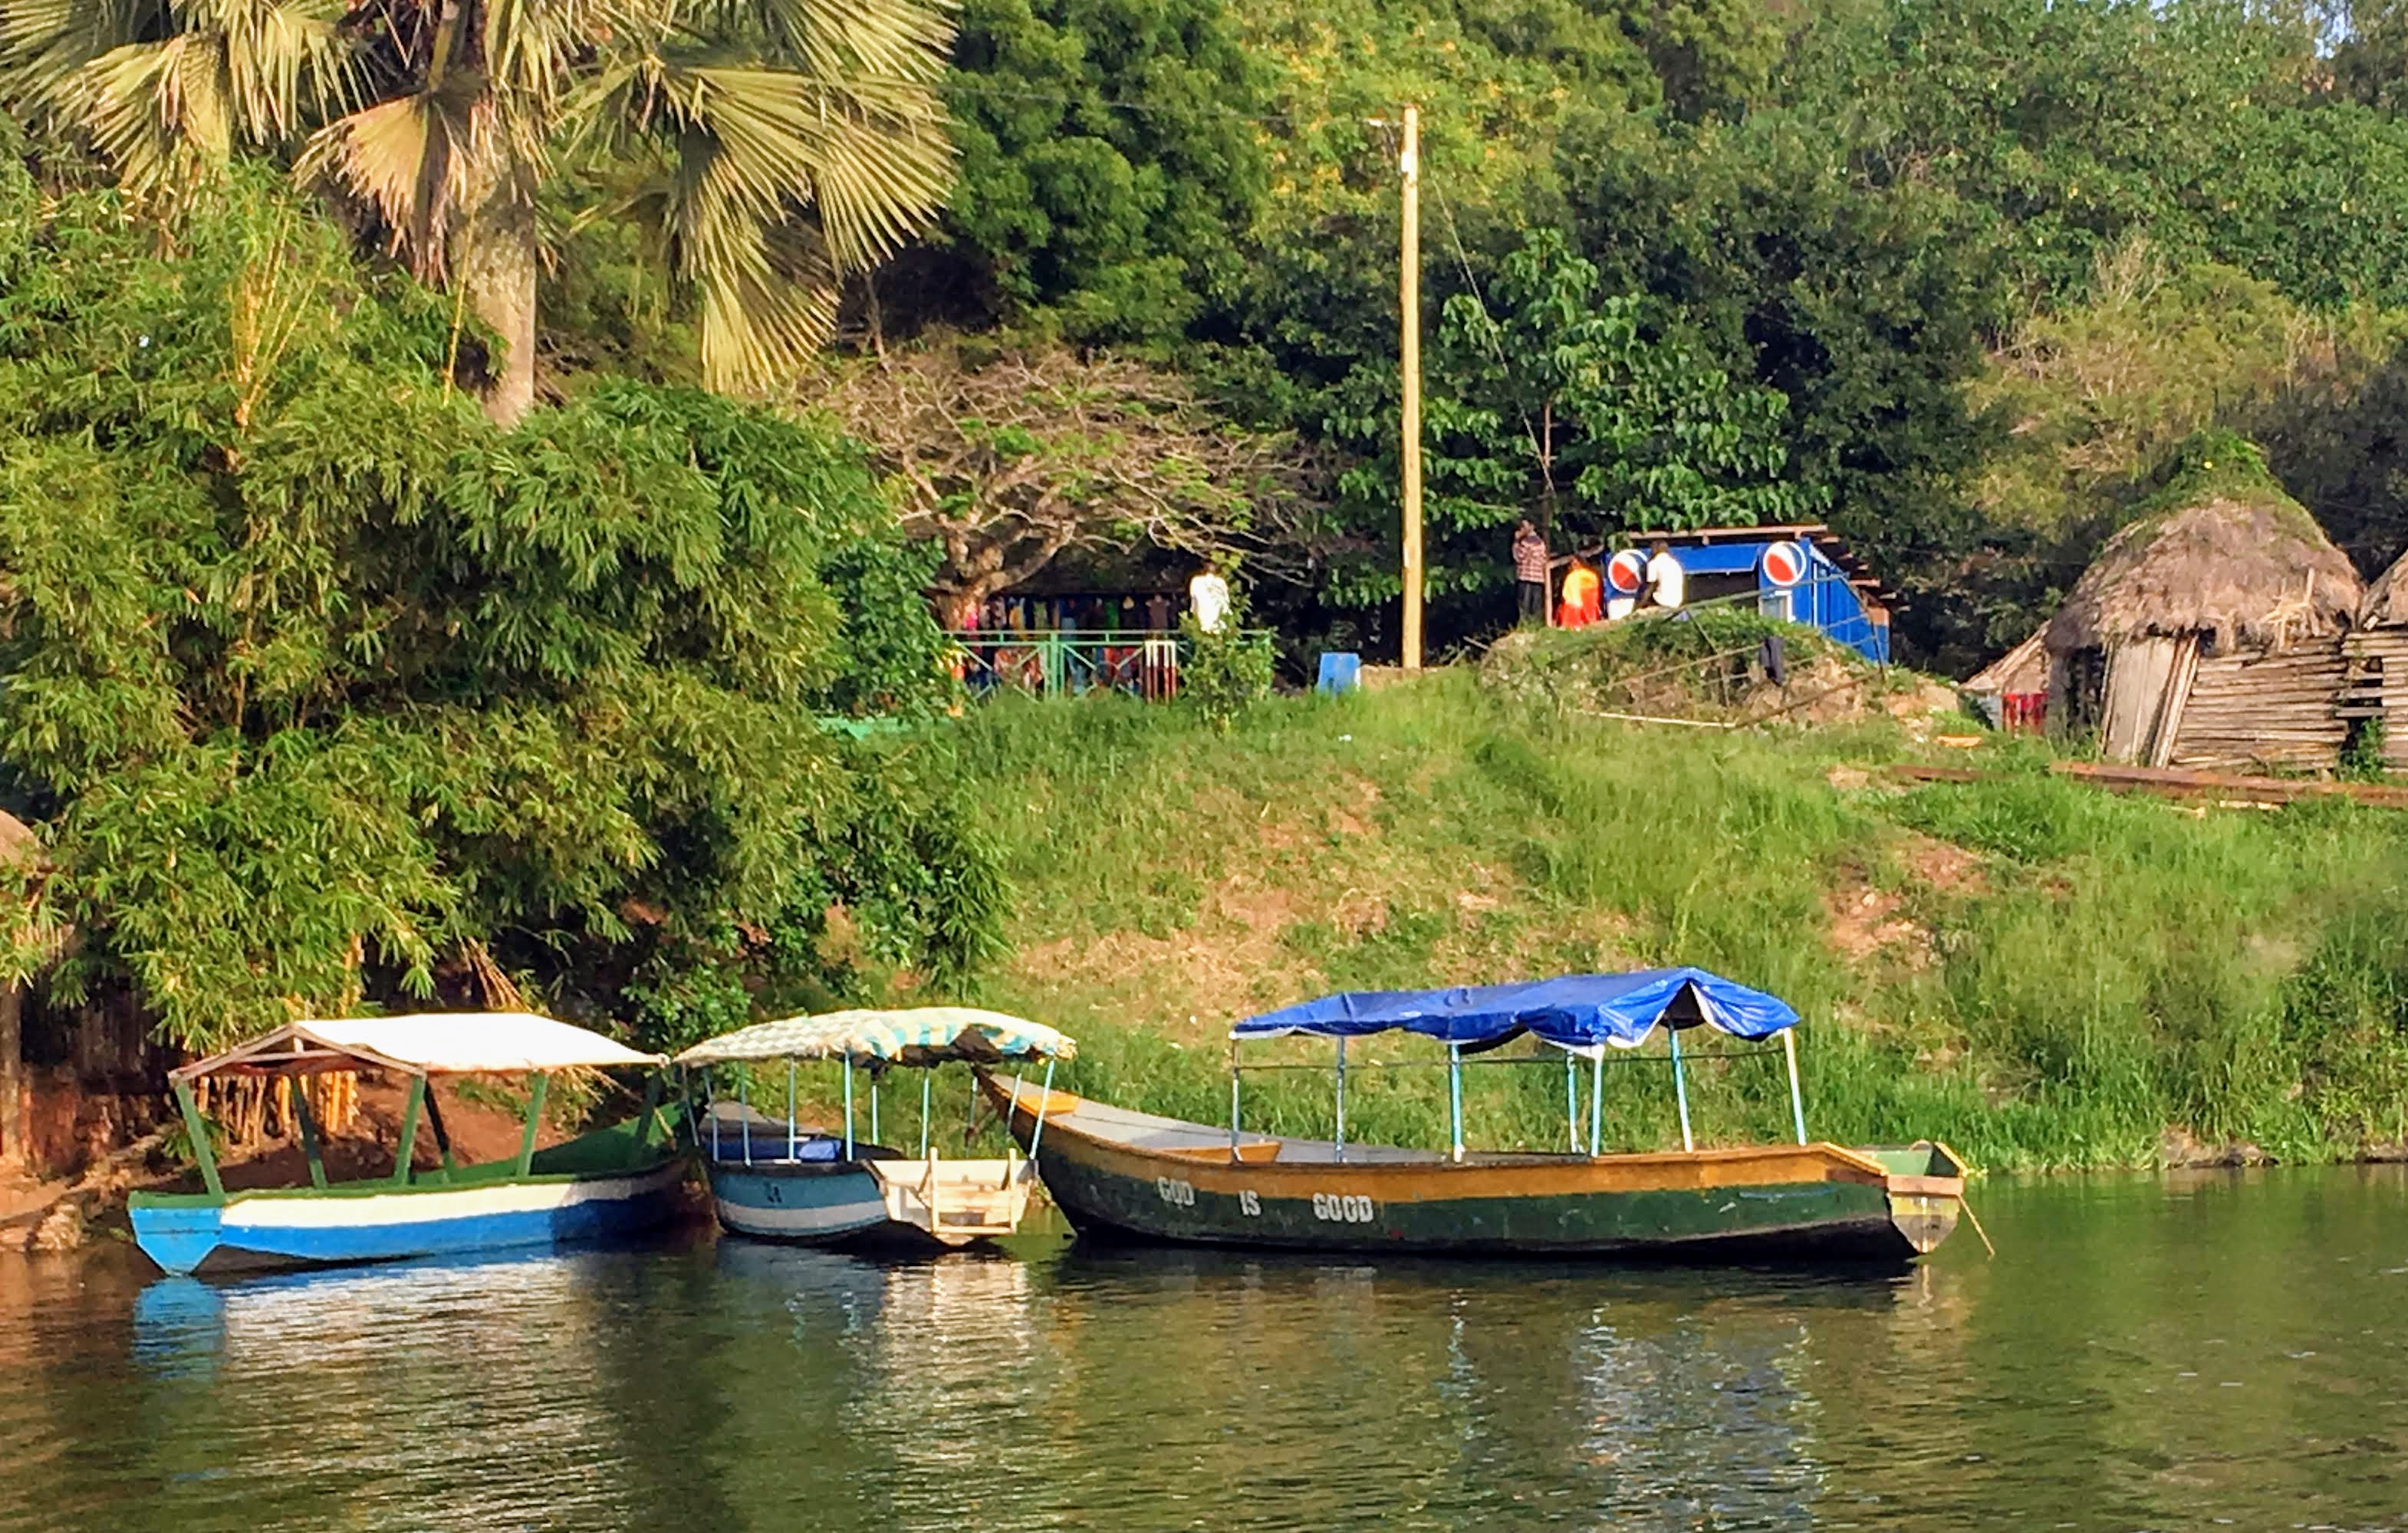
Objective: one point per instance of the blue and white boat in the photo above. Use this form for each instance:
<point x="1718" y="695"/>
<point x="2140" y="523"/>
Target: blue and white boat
<point x="610" y="1181"/>
<point x="774" y="1180"/>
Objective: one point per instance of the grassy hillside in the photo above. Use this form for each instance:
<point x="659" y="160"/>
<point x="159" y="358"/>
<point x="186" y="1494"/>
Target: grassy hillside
<point x="2043" y="974"/>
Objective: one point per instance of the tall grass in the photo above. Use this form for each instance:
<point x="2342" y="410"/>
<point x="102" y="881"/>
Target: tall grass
<point x="2058" y="976"/>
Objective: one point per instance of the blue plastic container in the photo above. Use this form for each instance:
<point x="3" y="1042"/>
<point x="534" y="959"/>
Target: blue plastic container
<point x="1340" y="671"/>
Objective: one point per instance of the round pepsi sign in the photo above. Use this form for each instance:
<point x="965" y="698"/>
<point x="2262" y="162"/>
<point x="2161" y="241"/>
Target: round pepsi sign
<point x="1785" y="564"/>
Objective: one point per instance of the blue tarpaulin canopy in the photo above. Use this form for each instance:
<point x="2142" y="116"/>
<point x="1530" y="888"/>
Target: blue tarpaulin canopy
<point x="1578" y="1011"/>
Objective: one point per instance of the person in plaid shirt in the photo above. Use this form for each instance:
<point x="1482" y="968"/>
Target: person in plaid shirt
<point x="1530" y="572"/>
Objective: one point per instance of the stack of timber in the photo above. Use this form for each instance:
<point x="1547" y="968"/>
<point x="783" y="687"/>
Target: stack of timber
<point x="2378" y="689"/>
<point x="2263" y="707"/>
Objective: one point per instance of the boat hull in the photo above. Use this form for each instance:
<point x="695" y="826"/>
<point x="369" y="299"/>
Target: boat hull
<point x="1804" y="1202"/>
<point x="305" y="1227"/>
<point x="799" y="1202"/>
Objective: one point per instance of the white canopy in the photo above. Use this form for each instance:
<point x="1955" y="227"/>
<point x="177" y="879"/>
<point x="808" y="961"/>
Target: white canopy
<point x="444" y="1043"/>
<point x="922" y="1036"/>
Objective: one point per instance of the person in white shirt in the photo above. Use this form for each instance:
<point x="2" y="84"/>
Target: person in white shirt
<point x="1666" y="578"/>
<point x="1207" y="598"/>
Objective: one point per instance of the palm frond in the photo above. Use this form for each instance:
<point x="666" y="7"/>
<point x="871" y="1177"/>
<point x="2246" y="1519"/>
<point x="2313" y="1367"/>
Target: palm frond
<point x="417" y="160"/>
<point x="868" y="158"/>
<point x="535" y="50"/>
<point x="43" y="43"/>
<point x="165" y="90"/>
<point x="285" y="60"/>
<point x="156" y="109"/>
<point x="778" y="184"/>
<point x="908" y="40"/>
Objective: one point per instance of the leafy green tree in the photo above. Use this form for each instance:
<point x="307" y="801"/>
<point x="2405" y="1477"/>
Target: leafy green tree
<point x="316" y="676"/>
<point x="770" y="148"/>
<point x="1550" y="399"/>
<point x="1558" y="399"/>
<point x="1111" y="174"/>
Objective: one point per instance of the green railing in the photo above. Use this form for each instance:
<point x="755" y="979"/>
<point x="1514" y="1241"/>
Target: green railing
<point x="1058" y="662"/>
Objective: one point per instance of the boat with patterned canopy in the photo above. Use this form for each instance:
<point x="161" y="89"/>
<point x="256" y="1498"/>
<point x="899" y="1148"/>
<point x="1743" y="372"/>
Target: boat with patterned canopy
<point x="775" y="1180"/>
<point x="612" y="1181"/>
<point x="1135" y="1174"/>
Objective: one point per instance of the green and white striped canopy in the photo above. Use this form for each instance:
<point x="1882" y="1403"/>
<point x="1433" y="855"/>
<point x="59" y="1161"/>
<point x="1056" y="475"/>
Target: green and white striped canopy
<point x="921" y="1035"/>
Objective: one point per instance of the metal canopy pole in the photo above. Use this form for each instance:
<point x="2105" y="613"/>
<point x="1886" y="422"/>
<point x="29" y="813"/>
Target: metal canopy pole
<point x="926" y="1076"/>
<point x="1596" y="1099"/>
<point x="1680" y="1086"/>
<point x="1796" y="1102"/>
<point x="1233" y="1099"/>
<point x="1571" y="1101"/>
<point x="790" y="1110"/>
<point x="848" y="1107"/>
<point x="1037" y="1135"/>
<point x="873" y="1107"/>
<point x="744" y="1101"/>
<point x="1341" y="1098"/>
<point x="711" y="1105"/>
<point x="1455" y="1098"/>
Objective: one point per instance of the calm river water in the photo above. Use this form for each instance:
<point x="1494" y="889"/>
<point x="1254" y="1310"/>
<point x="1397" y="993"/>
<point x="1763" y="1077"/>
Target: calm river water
<point x="2216" y="1350"/>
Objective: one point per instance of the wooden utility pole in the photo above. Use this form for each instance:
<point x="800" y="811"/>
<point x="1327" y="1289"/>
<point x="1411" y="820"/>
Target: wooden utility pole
<point x="1408" y="288"/>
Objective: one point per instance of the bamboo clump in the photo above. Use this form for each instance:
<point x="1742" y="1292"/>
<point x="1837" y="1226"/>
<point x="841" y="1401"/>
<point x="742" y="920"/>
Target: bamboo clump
<point x="254" y="1110"/>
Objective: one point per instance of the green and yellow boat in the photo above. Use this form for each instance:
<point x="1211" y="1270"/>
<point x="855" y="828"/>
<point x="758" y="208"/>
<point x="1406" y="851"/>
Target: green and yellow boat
<point x="1137" y="1175"/>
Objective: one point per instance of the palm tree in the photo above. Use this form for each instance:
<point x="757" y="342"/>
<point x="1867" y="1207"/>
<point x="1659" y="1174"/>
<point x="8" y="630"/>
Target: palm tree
<point x="769" y="147"/>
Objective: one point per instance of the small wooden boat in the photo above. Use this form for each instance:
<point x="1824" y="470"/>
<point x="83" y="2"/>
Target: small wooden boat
<point x="1134" y="1174"/>
<point x="613" y="1180"/>
<point x="775" y="1180"/>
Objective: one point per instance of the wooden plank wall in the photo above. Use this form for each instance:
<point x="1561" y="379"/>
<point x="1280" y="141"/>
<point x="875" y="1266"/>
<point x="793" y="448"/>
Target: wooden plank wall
<point x="2272" y="709"/>
<point x="2378" y="688"/>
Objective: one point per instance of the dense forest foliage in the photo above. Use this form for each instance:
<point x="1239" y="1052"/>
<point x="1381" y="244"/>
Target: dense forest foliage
<point x="1949" y="273"/>
<point x="325" y="689"/>
<point x="1952" y="273"/>
<point x="291" y="626"/>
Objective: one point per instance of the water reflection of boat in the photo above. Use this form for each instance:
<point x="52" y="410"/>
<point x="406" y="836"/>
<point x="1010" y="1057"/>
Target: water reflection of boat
<point x="774" y="1180"/>
<point x="609" y="1181"/>
<point x="386" y="1396"/>
<point x="915" y="1382"/>
<point x="1476" y="1392"/>
<point x="1137" y="1174"/>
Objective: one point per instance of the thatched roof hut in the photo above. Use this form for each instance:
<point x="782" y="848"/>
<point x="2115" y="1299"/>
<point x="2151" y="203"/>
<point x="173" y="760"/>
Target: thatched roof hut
<point x="2210" y="635"/>
<point x="2387" y="599"/>
<point x="2258" y="573"/>
<point x="2012" y="690"/>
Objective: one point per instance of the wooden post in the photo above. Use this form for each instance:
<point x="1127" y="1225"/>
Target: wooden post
<point x="1408" y="285"/>
<point x="308" y="1130"/>
<point x="536" y="1090"/>
<point x="197" y="1127"/>
<point x="409" y="1130"/>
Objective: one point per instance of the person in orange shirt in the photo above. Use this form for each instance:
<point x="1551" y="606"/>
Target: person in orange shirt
<point x="1582" y="591"/>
